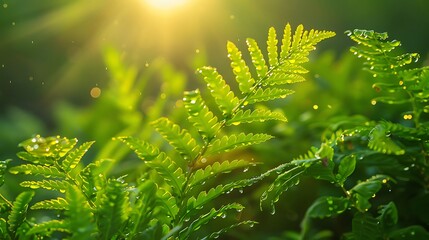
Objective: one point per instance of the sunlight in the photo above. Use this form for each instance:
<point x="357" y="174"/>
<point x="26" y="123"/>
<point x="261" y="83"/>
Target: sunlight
<point x="165" y="4"/>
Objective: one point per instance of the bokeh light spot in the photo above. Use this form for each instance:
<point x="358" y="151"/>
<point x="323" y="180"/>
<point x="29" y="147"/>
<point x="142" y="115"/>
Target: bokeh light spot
<point x="95" y="92"/>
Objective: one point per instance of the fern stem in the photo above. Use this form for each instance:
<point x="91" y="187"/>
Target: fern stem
<point x="5" y="200"/>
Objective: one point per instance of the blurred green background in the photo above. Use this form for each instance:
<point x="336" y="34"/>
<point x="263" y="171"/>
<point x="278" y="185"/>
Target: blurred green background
<point x="102" y="68"/>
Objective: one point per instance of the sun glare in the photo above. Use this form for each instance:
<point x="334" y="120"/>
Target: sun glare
<point x="165" y="4"/>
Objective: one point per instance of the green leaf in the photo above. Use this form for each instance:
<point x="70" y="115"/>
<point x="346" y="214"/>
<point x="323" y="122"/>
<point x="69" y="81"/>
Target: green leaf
<point x="272" y="47"/>
<point x="388" y="215"/>
<point x="363" y="191"/>
<point x="73" y="158"/>
<point x="257" y="58"/>
<point x="80" y="217"/>
<point x="200" y="115"/>
<point x="47" y="161"/>
<point x="30" y="169"/>
<point x="240" y="69"/>
<point x="180" y="139"/>
<point x="410" y="233"/>
<point x="48" y="147"/>
<point x="112" y="209"/>
<point x="53" y="204"/>
<point x="380" y="141"/>
<point x="346" y="168"/>
<point x="228" y="143"/>
<point x="144" y="150"/>
<point x="209" y="172"/>
<point x="169" y="170"/>
<point x="364" y="226"/>
<point x="221" y="92"/>
<point x="257" y="115"/>
<point x="58" y="185"/>
<point x="92" y="178"/>
<point x="206" y="218"/>
<point x="281" y="78"/>
<point x="297" y="38"/>
<point x="262" y="95"/>
<point x="286" y="42"/>
<point x="327" y="206"/>
<point x="18" y="213"/>
<point x="45" y="228"/>
<point x="282" y="183"/>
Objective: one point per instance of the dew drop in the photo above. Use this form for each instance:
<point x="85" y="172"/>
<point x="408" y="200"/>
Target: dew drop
<point x="246" y="169"/>
<point x="203" y="160"/>
<point x="5" y="5"/>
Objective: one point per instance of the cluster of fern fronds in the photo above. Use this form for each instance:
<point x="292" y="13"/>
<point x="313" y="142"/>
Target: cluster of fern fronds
<point x="375" y="165"/>
<point x="171" y="200"/>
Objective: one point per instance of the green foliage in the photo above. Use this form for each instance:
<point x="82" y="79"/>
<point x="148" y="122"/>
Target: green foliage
<point x="361" y="159"/>
<point x="175" y="196"/>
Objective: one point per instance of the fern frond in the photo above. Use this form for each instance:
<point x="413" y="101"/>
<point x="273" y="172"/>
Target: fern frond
<point x="112" y="208"/>
<point x="380" y="141"/>
<point x="58" y="185"/>
<point x="73" y="158"/>
<point x="258" y="59"/>
<point x="272" y="48"/>
<point x="201" y="175"/>
<point x="144" y="150"/>
<point x="180" y="139"/>
<point x="199" y="114"/>
<point x="257" y="115"/>
<point x="47" y="227"/>
<point x="80" y="217"/>
<point x="169" y="170"/>
<point x="262" y="95"/>
<point x="19" y="210"/>
<point x="286" y="41"/>
<point x="281" y="78"/>
<point x="206" y="218"/>
<point x="92" y="178"/>
<point x="30" y="169"/>
<point x="169" y="203"/>
<point x="53" y="204"/>
<point x="228" y="143"/>
<point x="220" y="90"/>
<point x="240" y="69"/>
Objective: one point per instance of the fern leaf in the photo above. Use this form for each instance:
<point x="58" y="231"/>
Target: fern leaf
<point x="262" y="95"/>
<point x="283" y="182"/>
<point x="258" y="115"/>
<point x="49" y="146"/>
<point x="168" y="202"/>
<point x="272" y="47"/>
<point x="47" y="161"/>
<point x="283" y="78"/>
<point x="180" y="139"/>
<point x="3" y="167"/>
<point x="381" y="142"/>
<point x="240" y="69"/>
<point x="30" y="169"/>
<point x="201" y="175"/>
<point x="228" y="143"/>
<point x="19" y="210"/>
<point x="45" y="228"/>
<point x="297" y="37"/>
<point x="112" y="208"/>
<point x="258" y="59"/>
<point x="53" y="204"/>
<point x="73" y="158"/>
<point x="80" y="217"/>
<point x="216" y="234"/>
<point x="58" y="185"/>
<point x="200" y="115"/>
<point x="286" y="42"/>
<point x="168" y="169"/>
<point x="92" y="178"/>
<point x="144" y="150"/>
<point x="221" y="92"/>
<point x="206" y="218"/>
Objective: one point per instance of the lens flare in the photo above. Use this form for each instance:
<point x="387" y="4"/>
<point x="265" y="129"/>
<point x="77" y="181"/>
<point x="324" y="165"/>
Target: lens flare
<point x="165" y="4"/>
